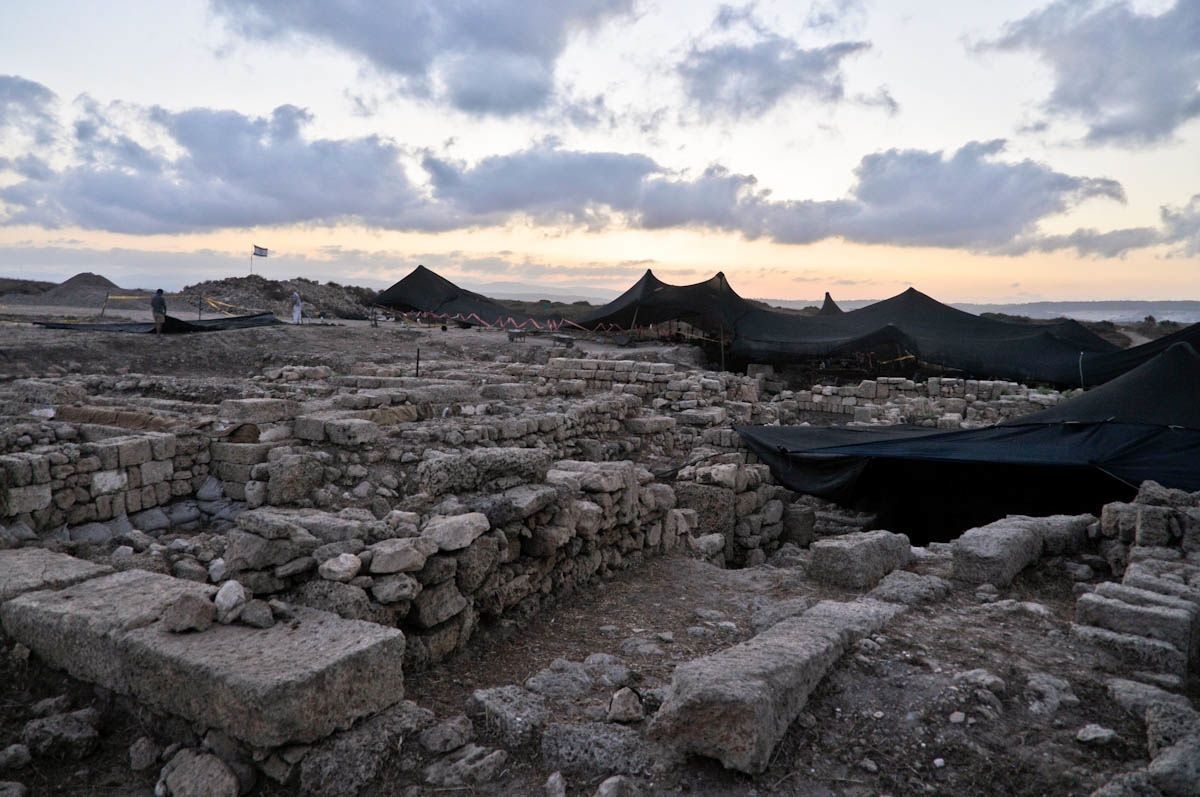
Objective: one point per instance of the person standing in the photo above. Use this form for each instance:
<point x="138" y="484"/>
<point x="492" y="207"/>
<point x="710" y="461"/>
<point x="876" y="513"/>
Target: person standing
<point x="158" y="306"/>
<point x="297" y="307"/>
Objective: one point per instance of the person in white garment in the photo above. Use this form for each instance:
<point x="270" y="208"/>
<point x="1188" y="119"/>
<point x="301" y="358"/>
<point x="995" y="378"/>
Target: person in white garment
<point x="297" y="307"/>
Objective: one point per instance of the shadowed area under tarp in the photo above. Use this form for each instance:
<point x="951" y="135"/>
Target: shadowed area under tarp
<point x="1143" y="425"/>
<point x="173" y="325"/>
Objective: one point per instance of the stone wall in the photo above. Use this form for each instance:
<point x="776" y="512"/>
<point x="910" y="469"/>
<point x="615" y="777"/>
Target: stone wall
<point x="89" y="482"/>
<point x="944" y="403"/>
<point x="495" y="535"/>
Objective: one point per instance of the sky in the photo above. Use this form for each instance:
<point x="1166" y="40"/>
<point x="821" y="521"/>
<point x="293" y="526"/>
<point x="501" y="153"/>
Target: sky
<point x="979" y="151"/>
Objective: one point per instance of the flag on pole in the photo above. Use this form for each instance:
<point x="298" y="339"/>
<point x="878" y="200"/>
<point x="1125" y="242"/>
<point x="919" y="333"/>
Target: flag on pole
<point x="259" y="251"/>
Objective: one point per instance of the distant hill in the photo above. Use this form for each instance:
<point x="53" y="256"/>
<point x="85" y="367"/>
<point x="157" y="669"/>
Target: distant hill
<point x="20" y="287"/>
<point x="1117" y="311"/>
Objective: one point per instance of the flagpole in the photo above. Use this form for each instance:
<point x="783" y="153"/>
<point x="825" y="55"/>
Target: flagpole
<point x="252" y="261"/>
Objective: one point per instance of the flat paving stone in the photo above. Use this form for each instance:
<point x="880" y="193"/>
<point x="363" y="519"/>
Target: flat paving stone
<point x="294" y="682"/>
<point x="30" y="569"/>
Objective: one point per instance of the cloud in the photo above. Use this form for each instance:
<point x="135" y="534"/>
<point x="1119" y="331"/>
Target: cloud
<point x="482" y="56"/>
<point x="836" y="14"/>
<point x="1132" y="78"/>
<point x="1182" y="227"/>
<point x="222" y="170"/>
<point x="26" y="107"/>
<point x="1179" y="232"/>
<point x="751" y="74"/>
<point x="969" y="199"/>
<point x="154" y="171"/>
<point x="544" y="182"/>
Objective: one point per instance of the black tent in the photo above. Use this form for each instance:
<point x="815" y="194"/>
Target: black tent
<point x="916" y="324"/>
<point x="1098" y="368"/>
<point x="1074" y="457"/>
<point x="710" y="305"/>
<point x="908" y="324"/>
<point x="425" y="291"/>
<point x="173" y="325"/>
<point x="829" y="306"/>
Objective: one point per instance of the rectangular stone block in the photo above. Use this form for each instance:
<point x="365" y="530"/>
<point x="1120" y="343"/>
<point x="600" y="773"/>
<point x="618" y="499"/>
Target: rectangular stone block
<point x="995" y="553"/>
<point x="1169" y="624"/>
<point x="735" y="705"/>
<point x="256" y="410"/>
<point x="240" y="453"/>
<point x="108" y="481"/>
<point x="858" y="560"/>
<point x="1135" y="651"/>
<point x="30" y="569"/>
<point x="309" y="427"/>
<point x="157" y="471"/>
<point x="30" y="498"/>
<point x="133" y="451"/>
<point x="266" y="687"/>
<point x="352" y="431"/>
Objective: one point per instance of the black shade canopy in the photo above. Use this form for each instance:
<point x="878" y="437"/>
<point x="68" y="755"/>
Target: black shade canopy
<point x="173" y="325"/>
<point x="423" y="290"/>
<point x="1062" y="353"/>
<point x="710" y="305"/>
<point x="1072" y="457"/>
<point x="932" y="331"/>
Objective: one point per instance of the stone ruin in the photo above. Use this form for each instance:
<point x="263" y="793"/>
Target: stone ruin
<point x="259" y="564"/>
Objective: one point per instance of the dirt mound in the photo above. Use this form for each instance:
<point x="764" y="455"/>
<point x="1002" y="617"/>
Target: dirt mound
<point x="82" y="290"/>
<point x="85" y="281"/>
<point x="255" y="293"/>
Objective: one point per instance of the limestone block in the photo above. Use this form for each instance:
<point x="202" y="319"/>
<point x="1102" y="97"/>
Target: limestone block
<point x="404" y="555"/>
<point x="309" y="678"/>
<point x="30" y="569"/>
<point x="858" y="560"/>
<point x="240" y="453"/>
<point x="995" y="553"/>
<point x="735" y="705"/>
<point x="29" y="498"/>
<point x="157" y="471"/>
<point x="437" y="604"/>
<point x="1135" y="651"/>
<point x="105" y="482"/>
<point x="352" y="431"/>
<point x="256" y="410"/>
<point x="455" y="532"/>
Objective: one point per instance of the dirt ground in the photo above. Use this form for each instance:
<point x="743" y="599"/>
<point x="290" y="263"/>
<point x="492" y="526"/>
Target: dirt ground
<point x="879" y="724"/>
<point x="27" y="350"/>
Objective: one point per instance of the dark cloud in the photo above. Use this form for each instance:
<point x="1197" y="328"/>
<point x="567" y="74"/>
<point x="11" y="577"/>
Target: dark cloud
<point x="743" y="67"/>
<point x="483" y="56"/>
<point x="225" y="170"/>
<point x="750" y="79"/>
<point x="1132" y="78"/>
<point x="969" y="199"/>
<point x="544" y="182"/>
<point x="211" y="169"/>
<point x="26" y="107"/>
